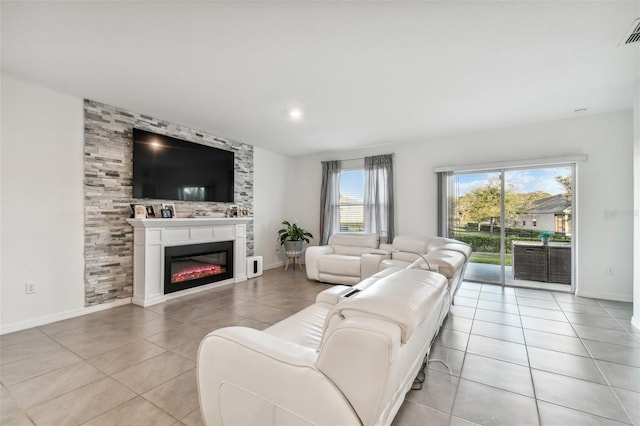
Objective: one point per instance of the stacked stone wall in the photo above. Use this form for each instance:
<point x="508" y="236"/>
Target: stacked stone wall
<point x="108" y="173"/>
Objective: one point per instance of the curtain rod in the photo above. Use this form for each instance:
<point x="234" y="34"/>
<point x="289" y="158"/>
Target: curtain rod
<point x="504" y="164"/>
<point x="362" y="158"/>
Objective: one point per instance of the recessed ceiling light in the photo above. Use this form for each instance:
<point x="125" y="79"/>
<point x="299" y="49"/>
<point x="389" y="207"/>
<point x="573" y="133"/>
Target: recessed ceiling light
<point x="295" y="114"/>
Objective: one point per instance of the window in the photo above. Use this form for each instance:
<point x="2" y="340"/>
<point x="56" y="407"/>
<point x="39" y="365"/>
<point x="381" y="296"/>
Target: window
<point x="352" y="200"/>
<point x="357" y="196"/>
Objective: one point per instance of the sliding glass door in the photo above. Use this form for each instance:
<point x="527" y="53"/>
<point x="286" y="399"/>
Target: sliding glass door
<point x="518" y="220"/>
<point x="476" y="219"/>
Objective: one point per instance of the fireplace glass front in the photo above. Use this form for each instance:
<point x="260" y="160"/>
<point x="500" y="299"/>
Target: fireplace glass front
<point x="197" y="264"/>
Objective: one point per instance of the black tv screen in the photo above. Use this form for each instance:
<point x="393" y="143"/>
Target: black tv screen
<point x="167" y="168"/>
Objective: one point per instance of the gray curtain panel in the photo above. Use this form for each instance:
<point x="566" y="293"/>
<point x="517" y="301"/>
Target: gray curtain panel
<point x="378" y="196"/>
<point x="329" y="200"/>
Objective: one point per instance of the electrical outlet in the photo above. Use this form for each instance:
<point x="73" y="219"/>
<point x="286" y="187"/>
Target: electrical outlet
<point x="29" y="288"/>
<point x="611" y="270"/>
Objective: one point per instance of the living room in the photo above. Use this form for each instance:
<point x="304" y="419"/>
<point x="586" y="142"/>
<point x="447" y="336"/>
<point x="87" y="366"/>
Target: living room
<point x="43" y="192"/>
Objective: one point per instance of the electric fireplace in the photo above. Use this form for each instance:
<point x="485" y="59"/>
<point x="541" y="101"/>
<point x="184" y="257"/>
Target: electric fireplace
<point x="197" y="264"/>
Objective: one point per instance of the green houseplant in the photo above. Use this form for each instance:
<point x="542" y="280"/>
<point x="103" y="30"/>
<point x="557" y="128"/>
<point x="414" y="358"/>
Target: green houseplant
<point x="545" y="237"/>
<point x="293" y="232"/>
<point x="292" y="237"/>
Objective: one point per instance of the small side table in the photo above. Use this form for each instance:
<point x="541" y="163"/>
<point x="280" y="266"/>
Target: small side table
<point x="296" y="259"/>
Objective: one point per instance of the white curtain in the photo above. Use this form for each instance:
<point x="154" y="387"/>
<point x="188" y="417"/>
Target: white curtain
<point x="378" y="196"/>
<point x="329" y="200"/>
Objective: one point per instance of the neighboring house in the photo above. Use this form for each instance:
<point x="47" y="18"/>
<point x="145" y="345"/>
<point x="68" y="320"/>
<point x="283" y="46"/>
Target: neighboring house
<point x="548" y="214"/>
<point x="351" y="214"/>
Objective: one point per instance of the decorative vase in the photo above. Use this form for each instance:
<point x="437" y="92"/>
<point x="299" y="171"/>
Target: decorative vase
<point x="293" y="248"/>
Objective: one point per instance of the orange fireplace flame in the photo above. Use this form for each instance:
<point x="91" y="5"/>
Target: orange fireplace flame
<point x="196" y="272"/>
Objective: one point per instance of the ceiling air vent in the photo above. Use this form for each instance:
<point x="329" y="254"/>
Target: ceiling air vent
<point x="633" y="35"/>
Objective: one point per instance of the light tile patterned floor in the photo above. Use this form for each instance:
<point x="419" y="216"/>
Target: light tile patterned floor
<point x="516" y="357"/>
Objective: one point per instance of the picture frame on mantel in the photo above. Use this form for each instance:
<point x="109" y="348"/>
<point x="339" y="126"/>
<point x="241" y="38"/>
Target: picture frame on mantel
<point x="172" y="211"/>
<point x="140" y="211"/>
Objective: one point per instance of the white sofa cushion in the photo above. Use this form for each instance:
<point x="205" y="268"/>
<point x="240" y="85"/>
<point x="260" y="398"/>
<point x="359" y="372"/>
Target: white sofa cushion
<point x="339" y="264"/>
<point x="404" y="298"/>
<point x="411" y="243"/>
<point x="304" y="327"/>
<point x="354" y="239"/>
<point x="341" y="261"/>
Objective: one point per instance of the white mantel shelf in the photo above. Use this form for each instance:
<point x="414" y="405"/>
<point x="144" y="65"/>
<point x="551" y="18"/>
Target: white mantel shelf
<point x="187" y="221"/>
<point x="151" y="236"/>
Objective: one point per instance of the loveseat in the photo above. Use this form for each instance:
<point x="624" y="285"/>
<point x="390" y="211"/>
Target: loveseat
<point x="348" y="359"/>
<point x="348" y="258"/>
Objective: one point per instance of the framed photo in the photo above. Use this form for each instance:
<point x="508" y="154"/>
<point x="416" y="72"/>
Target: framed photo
<point x="150" y="211"/>
<point x="171" y="208"/>
<point x="140" y="212"/>
<point x="165" y="213"/>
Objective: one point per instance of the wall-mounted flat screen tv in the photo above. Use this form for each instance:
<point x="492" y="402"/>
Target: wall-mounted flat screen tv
<point x="167" y="168"/>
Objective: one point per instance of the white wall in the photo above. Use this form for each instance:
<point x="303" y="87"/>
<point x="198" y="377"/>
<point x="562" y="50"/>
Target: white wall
<point x="604" y="184"/>
<point x="272" y="203"/>
<point x="42" y="204"/>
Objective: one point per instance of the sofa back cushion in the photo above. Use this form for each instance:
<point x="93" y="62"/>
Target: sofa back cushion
<point x="354" y="243"/>
<point x="405" y="298"/>
<point x="411" y="243"/>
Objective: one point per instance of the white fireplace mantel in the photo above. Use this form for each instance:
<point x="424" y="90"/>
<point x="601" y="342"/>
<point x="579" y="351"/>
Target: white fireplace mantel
<point x="151" y="236"/>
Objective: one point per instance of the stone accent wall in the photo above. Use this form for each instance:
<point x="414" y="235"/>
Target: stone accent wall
<point x="108" y="173"/>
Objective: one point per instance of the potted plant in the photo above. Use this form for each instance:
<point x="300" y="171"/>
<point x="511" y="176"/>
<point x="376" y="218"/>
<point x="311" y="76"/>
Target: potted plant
<point x="292" y="237"/>
<point x="545" y="237"/>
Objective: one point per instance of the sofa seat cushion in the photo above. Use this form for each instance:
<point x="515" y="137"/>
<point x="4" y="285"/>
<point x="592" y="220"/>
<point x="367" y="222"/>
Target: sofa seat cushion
<point x="304" y="327"/>
<point x="339" y="264"/>
<point x="394" y="263"/>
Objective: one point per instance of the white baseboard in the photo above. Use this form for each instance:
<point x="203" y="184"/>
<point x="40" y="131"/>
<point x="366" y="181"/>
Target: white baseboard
<point x="273" y="266"/>
<point x="605" y="296"/>
<point x="48" y="319"/>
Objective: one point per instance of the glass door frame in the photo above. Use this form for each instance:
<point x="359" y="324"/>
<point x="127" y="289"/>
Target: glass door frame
<point x="445" y="214"/>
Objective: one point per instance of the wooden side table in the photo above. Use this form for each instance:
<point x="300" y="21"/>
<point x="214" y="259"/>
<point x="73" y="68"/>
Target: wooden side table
<point x="296" y="260"/>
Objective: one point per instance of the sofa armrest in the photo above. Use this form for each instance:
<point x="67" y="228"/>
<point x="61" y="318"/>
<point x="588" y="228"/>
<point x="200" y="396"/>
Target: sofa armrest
<point x="311" y="260"/>
<point x="370" y="263"/>
<point x="333" y="294"/>
<point x="246" y="376"/>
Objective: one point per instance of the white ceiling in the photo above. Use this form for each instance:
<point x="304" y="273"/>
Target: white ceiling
<point x="364" y="73"/>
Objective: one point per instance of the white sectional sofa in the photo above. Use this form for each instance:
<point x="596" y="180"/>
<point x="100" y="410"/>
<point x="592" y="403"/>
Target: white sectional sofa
<point x="447" y="256"/>
<point x="347" y="259"/>
<point x="351" y="257"/>
<point x="348" y="359"/>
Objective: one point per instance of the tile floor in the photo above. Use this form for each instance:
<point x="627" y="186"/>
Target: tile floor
<point x="517" y="357"/>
